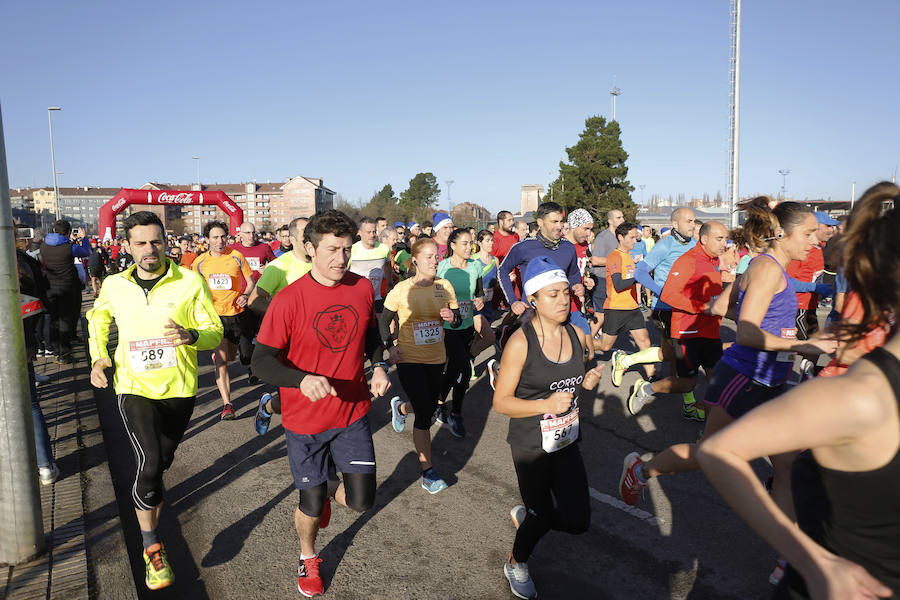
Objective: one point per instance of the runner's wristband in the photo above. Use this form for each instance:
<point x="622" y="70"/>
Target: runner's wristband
<point x="194" y="335"/>
<point x="383" y="365"/>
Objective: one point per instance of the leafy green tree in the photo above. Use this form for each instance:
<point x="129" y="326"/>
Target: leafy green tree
<point x="421" y="195"/>
<point x="383" y="203"/>
<point x="595" y="175"/>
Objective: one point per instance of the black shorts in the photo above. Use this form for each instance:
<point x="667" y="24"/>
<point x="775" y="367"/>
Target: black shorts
<point x="97" y="272"/>
<point x="617" y="321"/>
<point x="315" y="458"/>
<point x="237" y="326"/>
<point x="736" y="393"/>
<point x="693" y="353"/>
<point x="807" y="323"/>
<point x="662" y="320"/>
<point x="599" y="295"/>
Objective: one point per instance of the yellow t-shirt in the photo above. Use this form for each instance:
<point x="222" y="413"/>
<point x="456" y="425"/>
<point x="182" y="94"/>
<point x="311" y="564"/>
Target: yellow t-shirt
<point x="224" y="275"/>
<point x="282" y="272"/>
<point x="421" y="334"/>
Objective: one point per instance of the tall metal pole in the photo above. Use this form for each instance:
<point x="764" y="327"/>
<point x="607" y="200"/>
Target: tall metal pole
<point x="614" y="92"/>
<point x="784" y="173"/>
<point x="852" y="194"/>
<point x="735" y="109"/>
<point x="197" y="158"/>
<point x="449" y="182"/>
<point x="53" y="159"/>
<point x="21" y="522"/>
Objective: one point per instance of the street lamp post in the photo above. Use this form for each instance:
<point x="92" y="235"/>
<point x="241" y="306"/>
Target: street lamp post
<point x="53" y="158"/>
<point x="197" y="158"/>
<point x="784" y="173"/>
<point x="449" y="182"/>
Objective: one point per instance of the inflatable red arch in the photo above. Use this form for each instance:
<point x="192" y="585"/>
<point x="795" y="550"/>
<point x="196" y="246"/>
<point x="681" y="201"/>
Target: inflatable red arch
<point x="126" y="197"/>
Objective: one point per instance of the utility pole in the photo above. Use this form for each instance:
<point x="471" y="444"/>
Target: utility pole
<point x="197" y="158"/>
<point x="852" y="194"/>
<point x="641" y="187"/>
<point x="735" y="125"/>
<point x="50" y="109"/>
<point x="21" y="522"/>
<point x="784" y="173"/>
<point x="614" y="92"/>
<point x="449" y="182"/>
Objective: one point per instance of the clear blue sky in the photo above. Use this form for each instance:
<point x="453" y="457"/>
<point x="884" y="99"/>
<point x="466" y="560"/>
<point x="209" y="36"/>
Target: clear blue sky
<point x="485" y="93"/>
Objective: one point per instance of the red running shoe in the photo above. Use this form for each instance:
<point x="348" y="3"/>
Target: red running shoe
<point x="630" y="486"/>
<point x="227" y="413"/>
<point x="309" y="583"/>
<point x="325" y="517"/>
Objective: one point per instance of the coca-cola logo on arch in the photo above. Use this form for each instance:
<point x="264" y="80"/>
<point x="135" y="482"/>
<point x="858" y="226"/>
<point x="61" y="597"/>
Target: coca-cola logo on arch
<point x="119" y="204"/>
<point x="179" y="198"/>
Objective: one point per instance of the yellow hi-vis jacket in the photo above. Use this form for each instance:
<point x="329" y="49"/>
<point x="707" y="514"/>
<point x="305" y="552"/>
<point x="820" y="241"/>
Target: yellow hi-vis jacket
<point x="147" y="364"/>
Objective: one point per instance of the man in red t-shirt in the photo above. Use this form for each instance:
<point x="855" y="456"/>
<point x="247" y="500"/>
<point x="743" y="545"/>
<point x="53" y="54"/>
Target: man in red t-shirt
<point x="313" y="342"/>
<point x="504" y="237"/>
<point x="257" y="253"/>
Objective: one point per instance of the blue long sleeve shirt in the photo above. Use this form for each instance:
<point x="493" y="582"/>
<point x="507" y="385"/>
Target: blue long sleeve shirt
<point x="523" y="252"/>
<point x="660" y="260"/>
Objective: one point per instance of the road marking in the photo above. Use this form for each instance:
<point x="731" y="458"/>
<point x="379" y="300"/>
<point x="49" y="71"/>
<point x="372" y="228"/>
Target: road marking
<point x="633" y="511"/>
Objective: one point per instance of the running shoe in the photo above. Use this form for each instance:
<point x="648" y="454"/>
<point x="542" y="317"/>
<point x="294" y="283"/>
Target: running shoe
<point x="692" y="413"/>
<point x="778" y="572"/>
<point x="398" y="419"/>
<point x="48" y="475"/>
<point x="49" y="352"/>
<point x="440" y="414"/>
<point x="325" y="517"/>
<point x="618" y="369"/>
<point x="639" y="396"/>
<point x="520" y="583"/>
<point x="517" y="514"/>
<point x="309" y="582"/>
<point x="456" y="425"/>
<point x="807" y="369"/>
<point x="38" y="378"/>
<point x="493" y="368"/>
<point x="432" y="482"/>
<point x="251" y="378"/>
<point x="156" y="566"/>
<point x="630" y="486"/>
<point x="227" y="413"/>
<point x="263" y="418"/>
<point x="40" y="352"/>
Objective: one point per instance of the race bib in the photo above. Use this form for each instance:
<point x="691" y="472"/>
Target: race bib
<point x="253" y="261"/>
<point x="220" y="281"/>
<point x="559" y="432"/>
<point x="427" y="332"/>
<point x="629" y="273"/>
<point x="152" y="354"/>
<point x="788" y="333"/>
<point x="465" y="309"/>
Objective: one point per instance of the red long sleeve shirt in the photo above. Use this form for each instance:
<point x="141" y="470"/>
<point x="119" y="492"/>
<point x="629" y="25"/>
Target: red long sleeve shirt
<point x="808" y="270"/>
<point x="692" y="282"/>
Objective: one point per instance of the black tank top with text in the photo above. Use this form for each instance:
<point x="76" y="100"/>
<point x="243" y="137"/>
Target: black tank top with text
<point x="540" y="378"/>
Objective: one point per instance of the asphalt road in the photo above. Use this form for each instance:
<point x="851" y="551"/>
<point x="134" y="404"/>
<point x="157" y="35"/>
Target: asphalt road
<point x="228" y="519"/>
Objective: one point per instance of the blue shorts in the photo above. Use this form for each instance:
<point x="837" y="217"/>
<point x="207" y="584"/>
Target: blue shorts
<point x="577" y="318"/>
<point x="316" y="458"/>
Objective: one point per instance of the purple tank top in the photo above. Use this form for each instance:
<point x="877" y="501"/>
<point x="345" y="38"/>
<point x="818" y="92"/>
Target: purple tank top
<point x="764" y="366"/>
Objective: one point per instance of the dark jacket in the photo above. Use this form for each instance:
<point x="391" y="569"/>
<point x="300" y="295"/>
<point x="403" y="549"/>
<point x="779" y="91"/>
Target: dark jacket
<point x="32" y="282"/>
<point x="59" y="254"/>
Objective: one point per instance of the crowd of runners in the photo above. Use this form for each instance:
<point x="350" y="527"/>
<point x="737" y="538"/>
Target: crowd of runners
<point x="322" y="313"/>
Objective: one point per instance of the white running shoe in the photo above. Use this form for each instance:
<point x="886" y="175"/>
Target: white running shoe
<point x="48" y="475"/>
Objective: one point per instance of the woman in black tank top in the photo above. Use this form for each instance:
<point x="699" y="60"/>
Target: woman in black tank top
<point x="851" y="423"/>
<point x="541" y="376"/>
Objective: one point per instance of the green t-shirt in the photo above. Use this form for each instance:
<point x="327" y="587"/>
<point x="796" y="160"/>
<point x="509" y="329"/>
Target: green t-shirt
<point x="464" y="283"/>
<point x="282" y="272"/>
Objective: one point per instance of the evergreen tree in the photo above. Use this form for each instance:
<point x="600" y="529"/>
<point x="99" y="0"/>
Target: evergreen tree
<point x="595" y="175"/>
<point x="421" y="195"/>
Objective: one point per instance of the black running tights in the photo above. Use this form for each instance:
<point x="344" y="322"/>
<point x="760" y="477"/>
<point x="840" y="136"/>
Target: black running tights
<point x="154" y="428"/>
<point x="459" y="370"/>
<point x="554" y="490"/>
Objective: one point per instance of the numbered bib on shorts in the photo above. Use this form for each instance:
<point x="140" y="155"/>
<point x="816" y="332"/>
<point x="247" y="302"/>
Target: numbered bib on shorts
<point x="559" y="432"/>
<point x="220" y="281"/>
<point x="427" y="332"/>
<point x="152" y="354"/>
<point x="465" y="309"/>
<point x="253" y="261"/>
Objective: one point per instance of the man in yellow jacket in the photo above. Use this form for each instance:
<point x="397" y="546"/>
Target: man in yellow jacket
<point x="164" y="314"/>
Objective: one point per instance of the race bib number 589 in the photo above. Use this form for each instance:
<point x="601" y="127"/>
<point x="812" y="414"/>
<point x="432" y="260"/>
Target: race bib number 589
<point x="152" y="354"/>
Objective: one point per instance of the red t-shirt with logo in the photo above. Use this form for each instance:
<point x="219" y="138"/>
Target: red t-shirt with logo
<point x="322" y="330"/>
<point x="808" y="270"/>
<point x="257" y="256"/>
